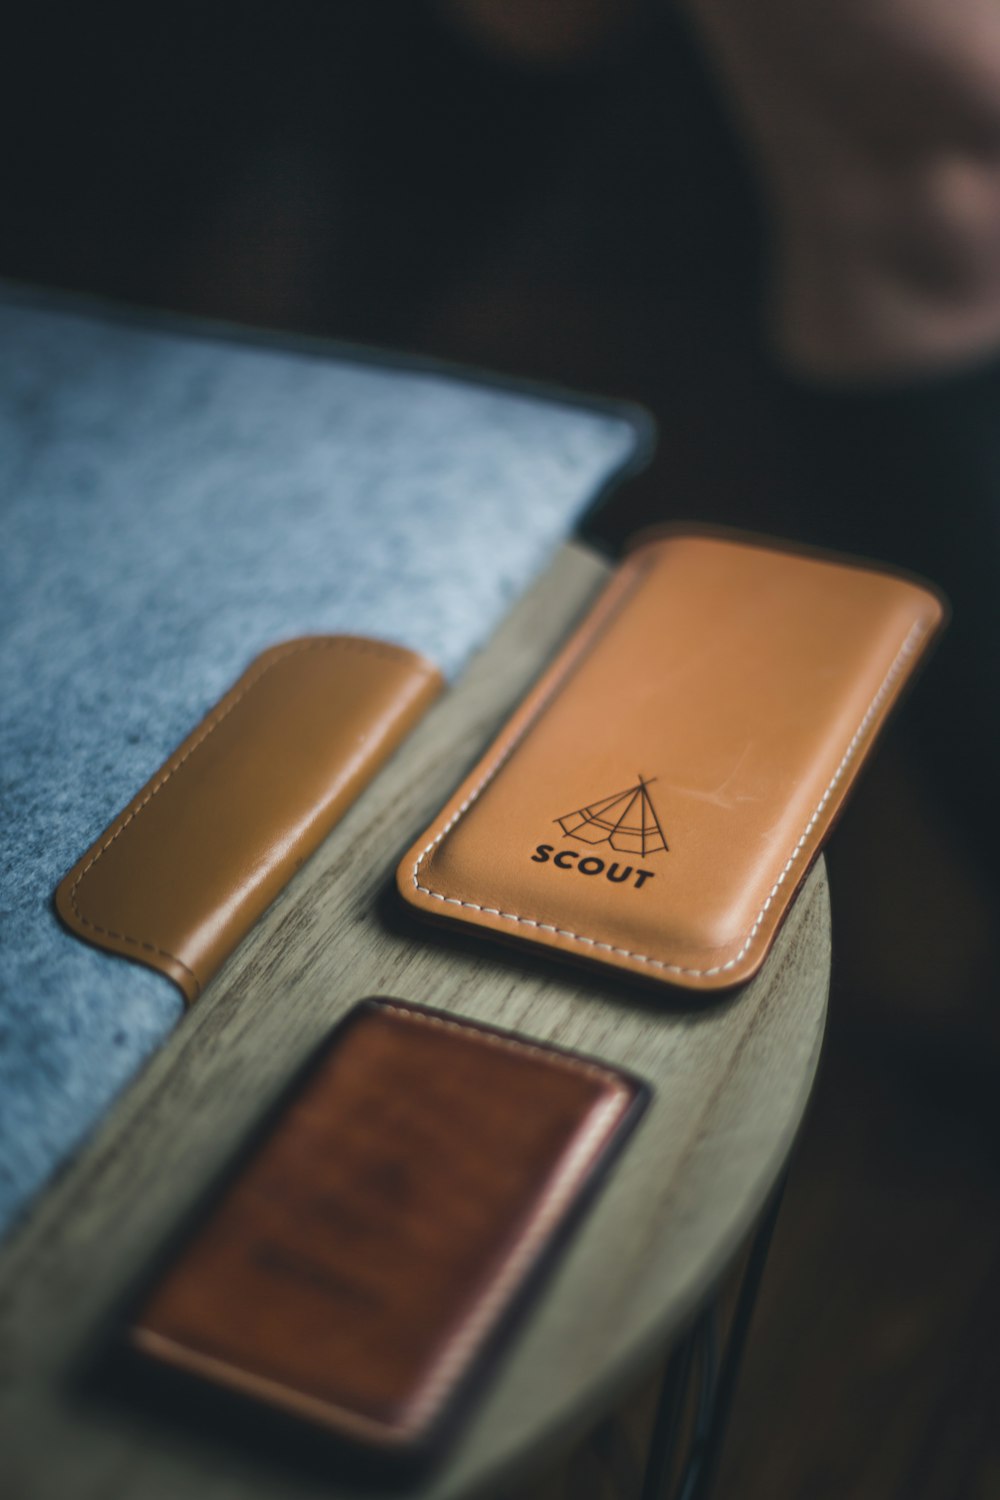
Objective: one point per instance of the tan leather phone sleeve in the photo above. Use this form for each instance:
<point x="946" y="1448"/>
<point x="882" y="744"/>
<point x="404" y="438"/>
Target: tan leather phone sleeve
<point x="189" y="865"/>
<point x="378" y="1233"/>
<point x="657" y="799"/>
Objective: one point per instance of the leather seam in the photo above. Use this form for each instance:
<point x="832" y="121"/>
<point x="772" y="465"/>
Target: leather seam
<point x="574" y="1170"/>
<point x="916" y="631"/>
<point x="510" y="1044"/>
<point x="341" y="643"/>
<point x="552" y="1203"/>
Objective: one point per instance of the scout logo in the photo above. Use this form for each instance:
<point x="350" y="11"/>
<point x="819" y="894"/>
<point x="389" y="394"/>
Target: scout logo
<point x="627" y="821"/>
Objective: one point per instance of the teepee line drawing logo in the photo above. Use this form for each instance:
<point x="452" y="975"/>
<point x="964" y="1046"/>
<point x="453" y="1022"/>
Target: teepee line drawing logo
<point x="626" y="820"/>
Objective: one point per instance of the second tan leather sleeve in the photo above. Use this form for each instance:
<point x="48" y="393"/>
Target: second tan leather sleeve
<point x="657" y="800"/>
<point x="184" y="871"/>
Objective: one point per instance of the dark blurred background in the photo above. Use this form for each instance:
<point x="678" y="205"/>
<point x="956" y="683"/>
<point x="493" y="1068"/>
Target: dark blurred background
<point x="388" y="173"/>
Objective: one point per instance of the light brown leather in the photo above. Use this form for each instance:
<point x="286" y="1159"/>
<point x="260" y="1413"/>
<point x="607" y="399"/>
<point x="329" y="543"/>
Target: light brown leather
<point x="729" y="692"/>
<point x="185" y="870"/>
<point x="355" y="1268"/>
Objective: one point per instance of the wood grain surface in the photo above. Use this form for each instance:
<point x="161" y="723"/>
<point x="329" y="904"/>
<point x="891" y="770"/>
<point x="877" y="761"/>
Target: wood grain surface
<point x="731" y="1078"/>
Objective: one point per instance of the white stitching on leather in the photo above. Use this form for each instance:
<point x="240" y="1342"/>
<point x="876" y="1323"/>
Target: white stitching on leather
<point x="906" y="650"/>
<point x="259" y="668"/>
<point x="547" y="1051"/>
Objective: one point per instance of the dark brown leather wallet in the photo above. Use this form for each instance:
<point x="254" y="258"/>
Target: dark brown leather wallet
<point x="377" y="1235"/>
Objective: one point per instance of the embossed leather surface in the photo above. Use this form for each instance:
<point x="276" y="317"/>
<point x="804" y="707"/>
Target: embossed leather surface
<point x="365" y="1254"/>
<point x="660" y="795"/>
<point x="189" y="865"/>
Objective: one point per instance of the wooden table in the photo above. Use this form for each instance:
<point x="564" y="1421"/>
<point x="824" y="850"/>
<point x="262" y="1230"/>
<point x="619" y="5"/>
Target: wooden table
<point x="731" y="1082"/>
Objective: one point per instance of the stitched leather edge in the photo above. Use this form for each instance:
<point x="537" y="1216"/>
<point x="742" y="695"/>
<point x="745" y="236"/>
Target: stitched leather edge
<point x="553" y="1203"/>
<point x="556" y="1200"/>
<point x="272" y="657"/>
<point x="916" y="632"/>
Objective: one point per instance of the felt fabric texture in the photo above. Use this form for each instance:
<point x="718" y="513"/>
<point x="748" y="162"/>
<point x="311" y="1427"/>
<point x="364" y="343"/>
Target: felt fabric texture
<point x="170" y="505"/>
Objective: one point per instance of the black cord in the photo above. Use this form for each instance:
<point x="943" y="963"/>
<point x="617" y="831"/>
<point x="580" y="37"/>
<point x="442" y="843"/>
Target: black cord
<point x="717" y="1384"/>
<point x="729" y="1374"/>
<point x="669" y="1408"/>
<point x="703" y="1435"/>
